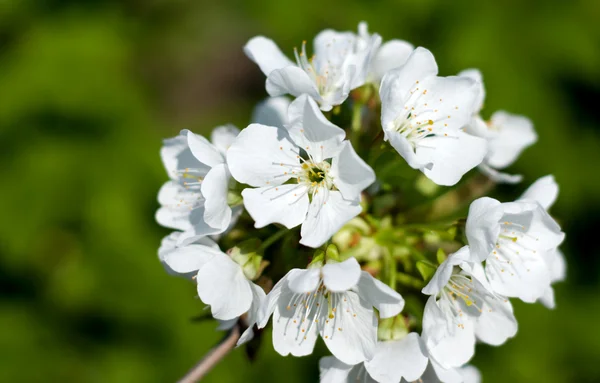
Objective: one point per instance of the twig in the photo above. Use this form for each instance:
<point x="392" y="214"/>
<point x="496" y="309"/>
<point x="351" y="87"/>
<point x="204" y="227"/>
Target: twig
<point x="213" y="357"/>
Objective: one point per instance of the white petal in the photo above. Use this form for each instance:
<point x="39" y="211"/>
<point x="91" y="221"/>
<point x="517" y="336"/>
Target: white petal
<point x="397" y="83"/>
<point x="451" y="157"/>
<point x="390" y="55"/>
<point x="444" y="271"/>
<point x="189" y="258"/>
<point x="499" y="177"/>
<point x="272" y="112"/>
<point x="177" y="204"/>
<point x="215" y="186"/>
<point x="544" y="190"/>
<point x="436" y="373"/>
<point x="304" y="281"/>
<point x="265" y="53"/>
<point x="284" y="204"/>
<point x="558" y="266"/>
<point x="405" y="149"/>
<point x="449" y="344"/>
<point x="351" y="335"/>
<point x="331" y="370"/>
<point x="497" y="322"/>
<point x="268" y="307"/>
<point x="397" y="359"/>
<point x="476" y="75"/>
<point x="547" y="299"/>
<point x="262" y="155"/>
<point x="203" y="150"/>
<point x="291" y="80"/>
<point x="223" y="286"/>
<point x="258" y="299"/>
<point x="223" y="136"/>
<point x="291" y="334"/>
<point x="470" y="374"/>
<point x="515" y="133"/>
<point x="327" y="213"/>
<point x="176" y="155"/>
<point x="351" y="174"/>
<point x="310" y="130"/>
<point x="528" y="282"/>
<point x="341" y="276"/>
<point x="483" y="227"/>
<point x="381" y="296"/>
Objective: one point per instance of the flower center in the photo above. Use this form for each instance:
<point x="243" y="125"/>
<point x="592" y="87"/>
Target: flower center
<point x="315" y="175"/>
<point x="514" y="248"/>
<point x="320" y="308"/>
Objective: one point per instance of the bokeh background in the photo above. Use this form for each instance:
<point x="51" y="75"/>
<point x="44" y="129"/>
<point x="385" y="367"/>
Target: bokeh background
<point x="88" y="88"/>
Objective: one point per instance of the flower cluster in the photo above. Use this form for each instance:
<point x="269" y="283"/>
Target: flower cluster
<point x="332" y="208"/>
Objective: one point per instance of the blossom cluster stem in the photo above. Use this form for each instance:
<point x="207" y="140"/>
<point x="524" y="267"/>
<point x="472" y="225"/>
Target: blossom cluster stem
<point x="213" y="357"/>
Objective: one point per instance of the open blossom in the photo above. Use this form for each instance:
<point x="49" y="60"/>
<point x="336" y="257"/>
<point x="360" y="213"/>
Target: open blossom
<point x="195" y="199"/>
<point x="393" y="361"/>
<point x="304" y="173"/>
<point x="221" y="282"/>
<point x="516" y="240"/>
<point x="340" y="63"/>
<point x="422" y="116"/>
<point x="396" y="361"/>
<point x="390" y="55"/>
<point x="461" y="308"/>
<point x="334" y="301"/>
<point x="507" y="136"/>
<point x="545" y="191"/>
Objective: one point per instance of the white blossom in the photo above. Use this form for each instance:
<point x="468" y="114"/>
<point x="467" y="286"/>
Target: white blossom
<point x="340" y="63"/>
<point x="394" y="360"/>
<point x="390" y="55"/>
<point x="422" y="116"/>
<point x="516" y="240"/>
<point x="221" y="282"/>
<point x="545" y="191"/>
<point x="195" y="199"/>
<point x="461" y="308"/>
<point x="507" y="135"/>
<point x="304" y="173"/>
<point x="334" y="301"/>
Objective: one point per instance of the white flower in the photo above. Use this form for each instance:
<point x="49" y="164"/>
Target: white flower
<point x="507" y="136"/>
<point x="272" y="112"/>
<point x="516" y="241"/>
<point x="195" y="199"/>
<point x="422" y="116"/>
<point x="303" y="174"/>
<point x="461" y="308"/>
<point x="438" y="374"/>
<point x="335" y="301"/>
<point x="545" y="191"/>
<point x="393" y="360"/>
<point x="390" y="55"/>
<point x="221" y="282"/>
<point x="339" y="64"/>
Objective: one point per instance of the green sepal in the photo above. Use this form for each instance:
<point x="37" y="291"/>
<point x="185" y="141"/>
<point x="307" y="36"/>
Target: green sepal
<point x="426" y="269"/>
<point x="441" y="255"/>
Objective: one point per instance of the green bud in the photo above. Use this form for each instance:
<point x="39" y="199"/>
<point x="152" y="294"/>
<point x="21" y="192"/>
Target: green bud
<point x="392" y="328"/>
<point x="318" y="259"/>
<point x="234" y="198"/>
<point x="245" y="254"/>
<point x="441" y="255"/>
<point x="426" y="269"/>
<point x="332" y="254"/>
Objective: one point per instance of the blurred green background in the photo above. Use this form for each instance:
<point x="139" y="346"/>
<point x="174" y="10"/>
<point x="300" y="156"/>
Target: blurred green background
<point x="88" y="88"/>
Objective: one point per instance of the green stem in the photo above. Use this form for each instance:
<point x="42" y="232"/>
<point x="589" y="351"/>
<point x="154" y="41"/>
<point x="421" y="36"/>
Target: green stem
<point x="271" y="240"/>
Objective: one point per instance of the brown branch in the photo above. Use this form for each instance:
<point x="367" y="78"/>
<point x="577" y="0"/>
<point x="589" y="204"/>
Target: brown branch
<point x="213" y="357"/>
